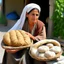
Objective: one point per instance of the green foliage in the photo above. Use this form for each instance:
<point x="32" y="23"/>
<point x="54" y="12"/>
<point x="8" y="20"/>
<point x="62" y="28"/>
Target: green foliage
<point x="58" y="19"/>
<point x="3" y="19"/>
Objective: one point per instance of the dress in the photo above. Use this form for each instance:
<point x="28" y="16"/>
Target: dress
<point x="14" y="58"/>
<point x="37" y="31"/>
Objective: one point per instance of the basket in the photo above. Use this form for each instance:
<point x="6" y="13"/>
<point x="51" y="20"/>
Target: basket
<point x="37" y="44"/>
<point x="15" y="48"/>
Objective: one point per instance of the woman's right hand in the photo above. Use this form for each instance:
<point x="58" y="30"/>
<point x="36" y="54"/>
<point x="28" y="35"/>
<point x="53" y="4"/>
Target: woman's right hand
<point x="31" y="36"/>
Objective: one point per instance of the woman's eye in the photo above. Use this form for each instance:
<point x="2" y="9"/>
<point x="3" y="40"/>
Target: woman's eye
<point x="35" y="14"/>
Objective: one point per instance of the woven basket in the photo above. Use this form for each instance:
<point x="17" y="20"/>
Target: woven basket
<point x="37" y="44"/>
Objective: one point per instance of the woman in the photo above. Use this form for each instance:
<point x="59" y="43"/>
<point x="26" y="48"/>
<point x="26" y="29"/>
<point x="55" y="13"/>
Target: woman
<point x="34" y="28"/>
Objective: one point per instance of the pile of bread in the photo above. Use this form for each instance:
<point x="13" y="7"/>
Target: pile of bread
<point x="16" y="38"/>
<point x="45" y="50"/>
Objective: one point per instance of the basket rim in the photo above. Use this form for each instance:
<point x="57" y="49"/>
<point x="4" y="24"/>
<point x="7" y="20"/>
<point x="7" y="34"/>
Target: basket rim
<point x="15" y="48"/>
<point x="41" y="42"/>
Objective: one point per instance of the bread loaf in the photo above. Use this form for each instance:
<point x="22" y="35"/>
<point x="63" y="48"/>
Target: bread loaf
<point x="16" y="38"/>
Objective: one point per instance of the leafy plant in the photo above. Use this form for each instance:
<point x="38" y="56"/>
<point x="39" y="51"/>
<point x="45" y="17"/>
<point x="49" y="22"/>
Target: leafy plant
<point x="58" y="19"/>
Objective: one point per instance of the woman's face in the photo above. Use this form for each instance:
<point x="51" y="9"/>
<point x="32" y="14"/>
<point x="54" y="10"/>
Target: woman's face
<point x="33" y="15"/>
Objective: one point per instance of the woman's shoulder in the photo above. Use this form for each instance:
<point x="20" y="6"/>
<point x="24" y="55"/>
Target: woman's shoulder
<point x="40" y="22"/>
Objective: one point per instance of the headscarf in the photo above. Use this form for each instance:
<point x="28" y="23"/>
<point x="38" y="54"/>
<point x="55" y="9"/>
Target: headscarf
<point x="20" y="22"/>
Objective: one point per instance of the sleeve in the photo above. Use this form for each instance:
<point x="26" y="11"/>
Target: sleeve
<point x="42" y="34"/>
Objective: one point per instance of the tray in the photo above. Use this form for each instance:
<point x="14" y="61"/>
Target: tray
<point x="13" y="48"/>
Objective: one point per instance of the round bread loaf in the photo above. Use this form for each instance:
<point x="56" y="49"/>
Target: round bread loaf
<point x="50" y="45"/>
<point x="49" y="54"/>
<point x="16" y="38"/>
<point x="43" y="48"/>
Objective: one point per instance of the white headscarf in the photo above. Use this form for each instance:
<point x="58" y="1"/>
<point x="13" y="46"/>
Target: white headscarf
<point x="19" y="24"/>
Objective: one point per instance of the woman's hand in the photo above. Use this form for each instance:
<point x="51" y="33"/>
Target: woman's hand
<point x="11" y="51"/>
<point x="31" y="36"/>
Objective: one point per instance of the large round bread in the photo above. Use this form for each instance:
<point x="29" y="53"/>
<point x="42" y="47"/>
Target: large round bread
<point x="16" y="38"/>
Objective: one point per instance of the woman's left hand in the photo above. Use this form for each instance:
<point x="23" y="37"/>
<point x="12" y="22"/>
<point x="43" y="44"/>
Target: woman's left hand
<point x="12" y="51"/>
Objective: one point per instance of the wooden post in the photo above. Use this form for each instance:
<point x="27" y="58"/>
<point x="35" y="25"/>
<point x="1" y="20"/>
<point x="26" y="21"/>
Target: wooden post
<point x="50" y="22"/>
